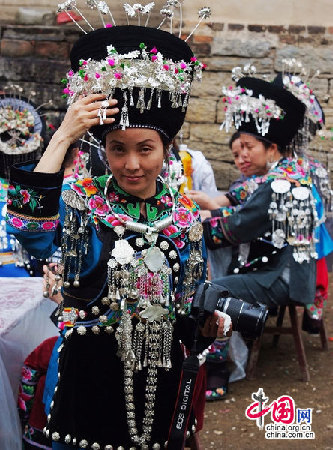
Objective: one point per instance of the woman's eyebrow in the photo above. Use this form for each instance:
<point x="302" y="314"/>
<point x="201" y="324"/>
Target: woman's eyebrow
<point x="145" y="141"/>
<point x="114" y="141"/>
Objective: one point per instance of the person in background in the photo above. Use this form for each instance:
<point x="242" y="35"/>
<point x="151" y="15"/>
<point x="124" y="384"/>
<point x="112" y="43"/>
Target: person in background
<point x="21" y="138"/>
<point x="30" y="399"/>
<point x="218" y="376"/>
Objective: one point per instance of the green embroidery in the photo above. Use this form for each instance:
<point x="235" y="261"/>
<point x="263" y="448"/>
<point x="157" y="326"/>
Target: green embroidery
<point x="151" y="212"/>
<point x="18" y="197"/>
<point x="133" y="211"/>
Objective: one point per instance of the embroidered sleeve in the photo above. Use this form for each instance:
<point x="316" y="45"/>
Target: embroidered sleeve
<point x="242" y="223"/>
<point x="33" y="199"/>
<point x="27" y="390"/>
<point x="33" y="209"/>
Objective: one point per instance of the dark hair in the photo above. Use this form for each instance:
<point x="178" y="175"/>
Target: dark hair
<point x="234" y="138"/>
<point x="70" y="155"/>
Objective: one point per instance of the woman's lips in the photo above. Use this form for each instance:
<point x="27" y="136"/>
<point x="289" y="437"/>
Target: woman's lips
<point x="132" y="179"/>
<point x="245" y="166"/>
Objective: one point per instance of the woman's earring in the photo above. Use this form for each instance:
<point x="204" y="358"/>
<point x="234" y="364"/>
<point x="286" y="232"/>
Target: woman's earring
<point x="167" y="166"/>
<point x="270" y="163"/>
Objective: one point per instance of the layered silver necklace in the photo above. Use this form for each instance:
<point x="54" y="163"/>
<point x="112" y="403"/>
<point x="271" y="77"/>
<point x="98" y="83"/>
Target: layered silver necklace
<point x="141" y="278"/>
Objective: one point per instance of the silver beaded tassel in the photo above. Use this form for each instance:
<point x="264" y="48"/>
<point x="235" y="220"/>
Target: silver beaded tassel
<point x="294" y="218"/>
<point x="157" y="348"/>
<point x="74" y="245"/>
<point x="124" y="120"/>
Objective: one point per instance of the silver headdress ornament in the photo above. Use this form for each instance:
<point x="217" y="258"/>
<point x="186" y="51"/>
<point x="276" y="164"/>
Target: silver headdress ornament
<point x="297" y="79"/>
<point x="145" y="68"/>
<point x="247" y="71"/>
<point x="325" y="134"/>
<point x="21" y="127"/>
<point x="140" y="68"/>
<point x="240" y="106"/>
<point x="20" y="121"/>
<point x="132" y="11"/>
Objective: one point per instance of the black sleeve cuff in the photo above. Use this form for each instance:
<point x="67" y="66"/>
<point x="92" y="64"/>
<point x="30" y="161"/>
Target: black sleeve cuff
<point x="209" y="237"/>
<point x="233" y="200"/>
<point x="216" y="213"/>
<point x="34" y="194"/>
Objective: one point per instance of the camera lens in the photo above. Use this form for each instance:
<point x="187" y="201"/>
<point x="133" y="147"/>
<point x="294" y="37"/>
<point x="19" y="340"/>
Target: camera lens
<point x="247" y="318"/>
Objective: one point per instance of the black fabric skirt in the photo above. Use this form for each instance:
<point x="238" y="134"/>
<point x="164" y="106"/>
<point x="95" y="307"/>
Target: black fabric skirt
<point x="89" y="400"/>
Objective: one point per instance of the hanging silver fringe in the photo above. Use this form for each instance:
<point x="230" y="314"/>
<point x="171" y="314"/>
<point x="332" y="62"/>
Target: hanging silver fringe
<point x="124" y="120"/>
<point x="141" y="101"/>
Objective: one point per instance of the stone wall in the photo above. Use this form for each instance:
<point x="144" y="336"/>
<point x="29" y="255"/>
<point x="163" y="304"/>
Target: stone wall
<point x="36" y="57"/>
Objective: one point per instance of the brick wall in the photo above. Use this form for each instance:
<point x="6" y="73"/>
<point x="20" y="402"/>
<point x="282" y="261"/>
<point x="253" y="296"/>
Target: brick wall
<point x="36" y="57"/>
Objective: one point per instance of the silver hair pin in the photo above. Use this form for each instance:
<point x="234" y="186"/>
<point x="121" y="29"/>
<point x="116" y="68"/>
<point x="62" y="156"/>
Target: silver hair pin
<point x="137" y="10"/>
<point x="167" y="13"/>
<point x="203" y="13"/>
<point x="103" y="9"/>
<point x="69" y="5"/>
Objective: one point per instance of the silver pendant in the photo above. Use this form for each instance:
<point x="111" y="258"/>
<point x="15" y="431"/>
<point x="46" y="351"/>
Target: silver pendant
<point x="73" y="200"/>
<point x="280" y="186"/>
<point x="123" y="252"/>
<point x="278" y="238"/>
<point x="112" y="263"/>
<point x="301" y="193"/>
<point x="151" y="237"/>
<point x="154" y="259"/>
<point x="154" y="313"/>
<point x="195" y="233"/>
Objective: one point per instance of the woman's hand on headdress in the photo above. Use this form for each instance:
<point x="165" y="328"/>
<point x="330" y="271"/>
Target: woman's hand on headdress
<point x="89" y="111"/>
<point x="80" y="117"/>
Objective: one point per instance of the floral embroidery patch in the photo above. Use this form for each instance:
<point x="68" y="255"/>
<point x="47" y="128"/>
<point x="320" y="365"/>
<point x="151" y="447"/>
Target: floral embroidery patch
<point x="17" y="197"/>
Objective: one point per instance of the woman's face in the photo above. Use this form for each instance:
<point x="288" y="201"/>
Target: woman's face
<point x="250" y="155"/>
<point x="135" y="157"/>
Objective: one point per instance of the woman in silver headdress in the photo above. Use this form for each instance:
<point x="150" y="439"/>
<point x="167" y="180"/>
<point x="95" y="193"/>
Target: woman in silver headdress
<point x="132" y="247"/>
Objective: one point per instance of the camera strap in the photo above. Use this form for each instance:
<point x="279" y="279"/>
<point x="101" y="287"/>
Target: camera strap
<point x="183" y="405"/>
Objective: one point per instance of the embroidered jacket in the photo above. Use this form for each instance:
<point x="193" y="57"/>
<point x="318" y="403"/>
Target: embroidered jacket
<point x="256" y="219"/>
<point x="90" y="392"/>
<point x="36" y="219"/>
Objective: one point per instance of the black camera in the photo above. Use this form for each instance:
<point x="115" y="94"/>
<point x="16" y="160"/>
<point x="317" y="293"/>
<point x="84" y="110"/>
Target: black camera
<point x="247" y="318"/>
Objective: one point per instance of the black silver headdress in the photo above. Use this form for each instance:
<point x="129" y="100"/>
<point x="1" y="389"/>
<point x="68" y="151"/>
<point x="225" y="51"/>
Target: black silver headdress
<point x="148" y="70"/>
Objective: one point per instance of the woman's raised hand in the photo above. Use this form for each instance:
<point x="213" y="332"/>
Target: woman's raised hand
<point x="85" y="113"/>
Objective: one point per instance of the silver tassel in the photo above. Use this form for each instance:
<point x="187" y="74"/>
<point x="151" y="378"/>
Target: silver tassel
<point x="141" y="101"/>
<point x="150" y="98"/>
<point x="124" y="120"/>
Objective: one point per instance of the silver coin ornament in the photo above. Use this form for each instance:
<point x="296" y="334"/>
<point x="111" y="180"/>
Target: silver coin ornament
<point x="301" y="193"/>
<point x="123" y="252"/>
<point x="154" y="259"/>
<point x="280" y="186"/>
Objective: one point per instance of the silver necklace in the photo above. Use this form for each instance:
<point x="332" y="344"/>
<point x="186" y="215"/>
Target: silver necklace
<point x="148" y="230"/>
<point x="153" y="335"/>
